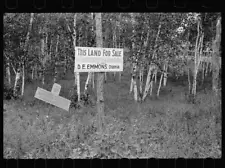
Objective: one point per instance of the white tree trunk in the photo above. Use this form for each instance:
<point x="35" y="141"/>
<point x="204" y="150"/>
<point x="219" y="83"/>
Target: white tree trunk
<point x="131" y="84"/>
<point x="135" y="91"/>
<point x="155" y="75"/>
<point x="55" y="59"/>
<point x="32" y="73"/>
<point x="78" y="85"/>
<point x="203" y="70"/>
<point x="87" y="82"/>
<point x="119" y="39"/>
<point x="26" y="49"/>
<point x="198" y="49"/>
<point x="8" y="73"/>
<point x="210" y="67"/>
<point x="149" y="82"/>
<point x="114" y="46"/>
<point x="76" y="74"/>
<point x="206" y="68"/>
<point x="93" y="80"/>
<point x="36" y="72"/>
<point x="134" y="59"/>
<point x="105" y="77"/>
<point x="65" y="62"/>
<point x="194" y="83"/>
<point x="216" y="58"/>
<point x="13" y="69"/>
<point x="147" y="85"/>
<point x="16" y="82"/>
<point x="189" y="81"/>
<point x="135" y="83"/>
<point x="141" y="80"/>
<point x="160" y="81"/>
<point x="23" y="80"/>
<point x="43" y="77"/>
<point x="165" y="75"/>
<point x="151" y="87"/>
<point x="43" y="60"/>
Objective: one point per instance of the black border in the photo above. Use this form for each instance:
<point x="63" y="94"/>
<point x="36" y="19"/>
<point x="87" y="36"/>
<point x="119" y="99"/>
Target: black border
<point x="112" y="6"/>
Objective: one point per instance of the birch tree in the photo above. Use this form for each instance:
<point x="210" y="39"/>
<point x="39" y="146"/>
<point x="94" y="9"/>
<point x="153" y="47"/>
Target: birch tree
<point x="216" y="57"/>
<point x="44" y="56"/>
<point x="161" y="78"/>
<point x="198" y="52"/>
<point x="152" y="67"/>
<point x="119" y="38"/>
<point x="76" y="74"/>
<point x="134" y="61"/>
<point x="26" y="51"/>
<point x="89" y="73"/>
<point x="16" y="46"/>
<point x="8" y="73"/>
<point x="56" y="59"/>
<point x="16" y="81"/>
<point x="165" y="74"/>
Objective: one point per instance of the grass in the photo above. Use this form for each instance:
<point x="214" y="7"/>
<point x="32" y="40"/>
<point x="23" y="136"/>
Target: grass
<point x="167" y="127"/>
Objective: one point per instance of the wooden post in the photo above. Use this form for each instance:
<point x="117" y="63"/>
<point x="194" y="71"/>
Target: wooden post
<point x="100" y="75"/>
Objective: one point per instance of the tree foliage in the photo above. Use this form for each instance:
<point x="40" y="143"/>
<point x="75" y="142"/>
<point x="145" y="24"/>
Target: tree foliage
<point x="177" y="30"/>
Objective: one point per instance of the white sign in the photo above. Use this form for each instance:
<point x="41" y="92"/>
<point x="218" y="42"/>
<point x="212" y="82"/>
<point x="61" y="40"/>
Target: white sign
<point x="92" y="59"/>
<point x="53" y="97"/>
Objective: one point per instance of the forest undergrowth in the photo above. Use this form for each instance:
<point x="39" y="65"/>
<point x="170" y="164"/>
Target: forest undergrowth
<point x="164" y="127"/>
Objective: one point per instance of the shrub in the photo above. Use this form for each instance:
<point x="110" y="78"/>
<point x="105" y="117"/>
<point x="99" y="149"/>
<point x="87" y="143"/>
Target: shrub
<point x="85" y="99"/>
<point x="8" y="93"/>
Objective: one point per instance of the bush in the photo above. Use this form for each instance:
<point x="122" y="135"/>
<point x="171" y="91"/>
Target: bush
<point x="8" y="93"/>
<point x="29" y="80"/>
<point x="85" y="99"/>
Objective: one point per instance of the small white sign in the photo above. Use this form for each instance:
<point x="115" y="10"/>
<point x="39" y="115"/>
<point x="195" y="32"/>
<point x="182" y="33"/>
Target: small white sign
<point x="53" y="97"/>
<point x="91" y="59"/>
